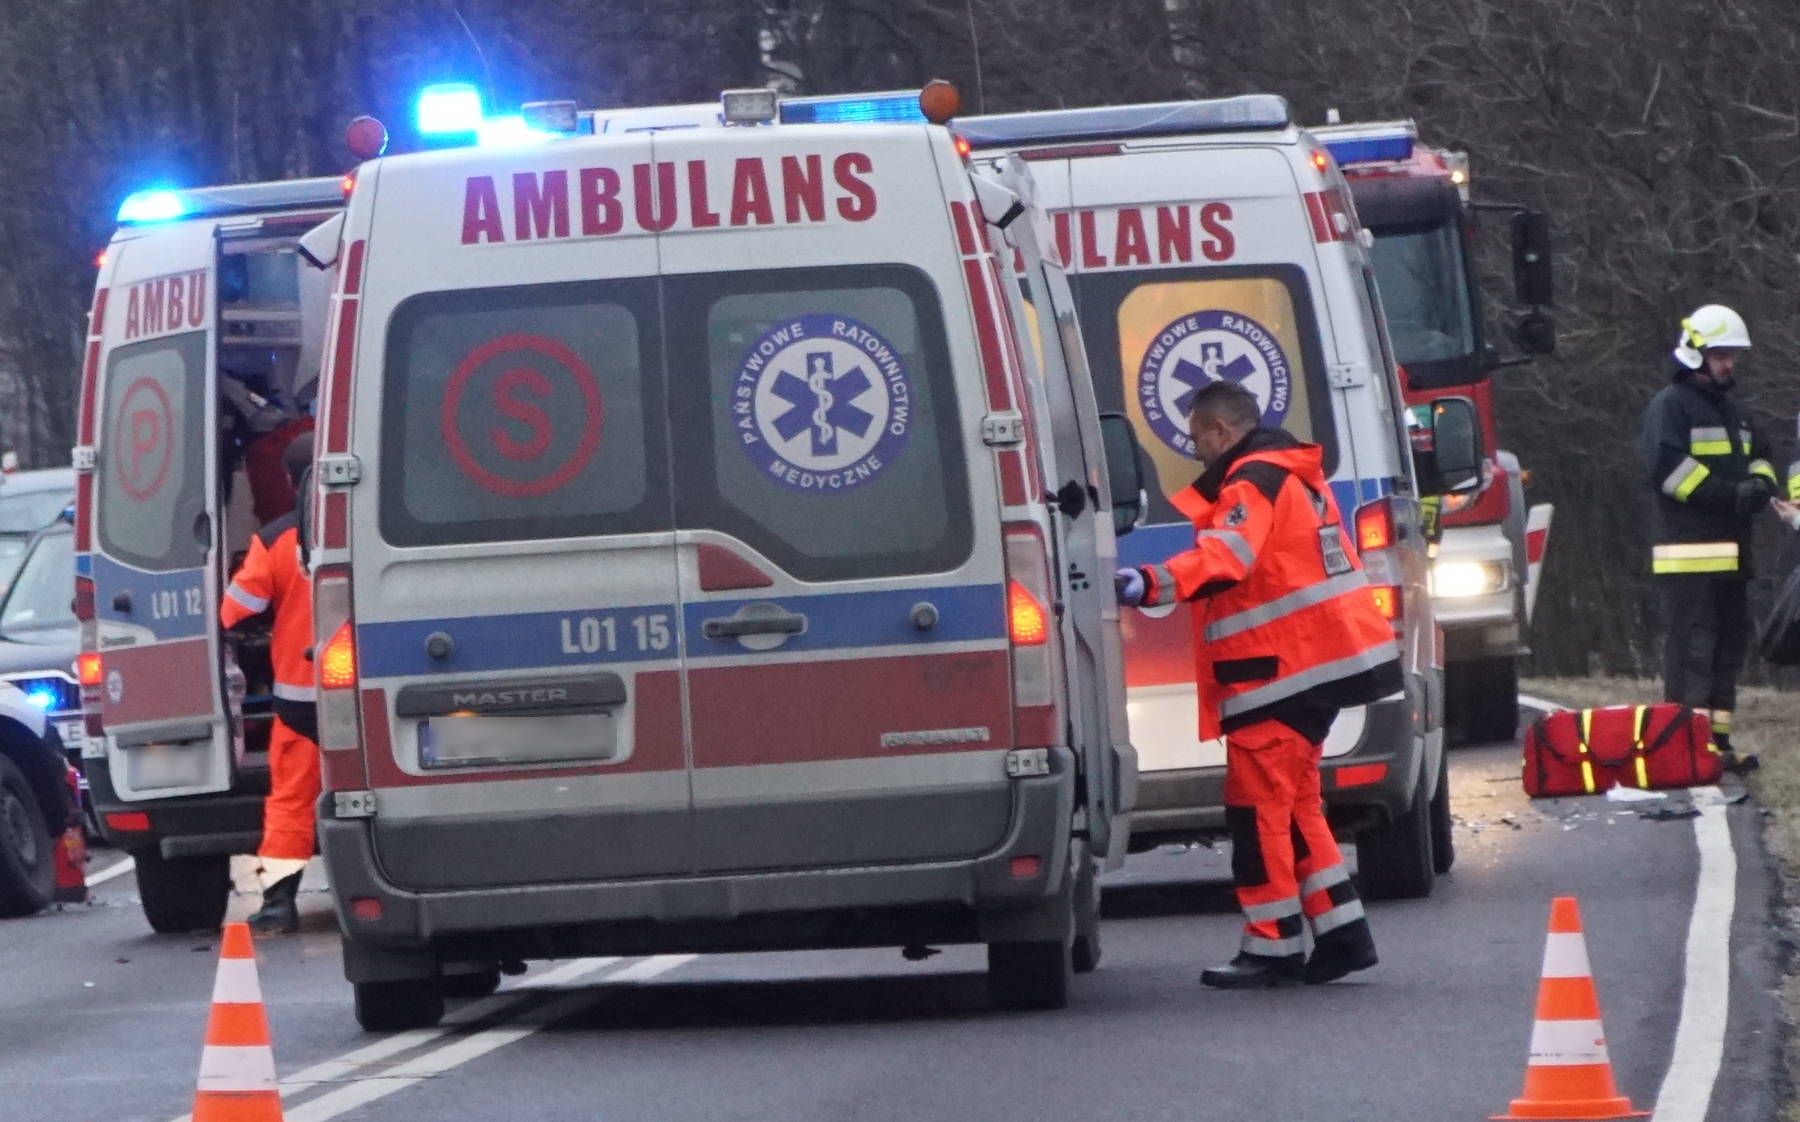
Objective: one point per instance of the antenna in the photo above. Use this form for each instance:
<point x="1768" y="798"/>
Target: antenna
<point x="975" y="45"/>
<point x="479" y="53"/>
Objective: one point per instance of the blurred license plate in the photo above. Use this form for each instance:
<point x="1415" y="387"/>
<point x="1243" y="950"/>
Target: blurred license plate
<point x="154" y="766"/>
<point x="466" y="741"/>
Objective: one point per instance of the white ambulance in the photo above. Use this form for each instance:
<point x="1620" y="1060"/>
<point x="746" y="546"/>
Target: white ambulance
<point x="1212" y="240"/>
<point x="205" y="334"/>
<point x="700" y="565"/>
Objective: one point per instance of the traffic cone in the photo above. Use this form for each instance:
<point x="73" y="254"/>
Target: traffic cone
<point x="70" y="859"/>
<point x="237" y="1067"/>
<point x="1569" y="1075"/>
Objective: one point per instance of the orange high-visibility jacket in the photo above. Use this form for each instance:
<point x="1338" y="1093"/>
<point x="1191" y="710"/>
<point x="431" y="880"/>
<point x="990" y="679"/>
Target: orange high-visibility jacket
<point x="1282" y="611"/>
<point x="273" y="575"/>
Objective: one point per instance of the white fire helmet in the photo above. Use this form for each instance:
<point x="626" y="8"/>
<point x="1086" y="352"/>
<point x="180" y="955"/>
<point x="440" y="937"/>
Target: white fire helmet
<point x="1713" y="325"/>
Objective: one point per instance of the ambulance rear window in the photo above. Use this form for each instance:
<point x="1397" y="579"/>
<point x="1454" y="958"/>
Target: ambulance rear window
<point x="153" y="479"/>
<point x="816" y="420"/>
<point x="1156" y="336"/>
<point x="523" y="413"/>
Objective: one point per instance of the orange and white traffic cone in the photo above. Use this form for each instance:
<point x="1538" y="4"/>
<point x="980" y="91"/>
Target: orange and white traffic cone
<point x="1569" y="1075"/>
<point x="70" y="861"/>
<point x="237" y="1066"/>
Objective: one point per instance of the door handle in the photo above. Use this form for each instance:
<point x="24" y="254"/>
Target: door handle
<point x="733" y="627"/>
<point x="122" y="602"/>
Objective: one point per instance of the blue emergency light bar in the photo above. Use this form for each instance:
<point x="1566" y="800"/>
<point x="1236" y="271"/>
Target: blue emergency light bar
<point x="449" y="109"/>
<point x="501" y="132"/>
<point x="1370" y="149"/>
<point x="900" y="107"/>
<point x="167" y="205"/>
<point x="1249" y="113"/>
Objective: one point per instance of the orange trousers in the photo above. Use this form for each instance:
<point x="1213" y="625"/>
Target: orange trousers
<point x="1285" y="864"/>
<point x="290" y="811"/>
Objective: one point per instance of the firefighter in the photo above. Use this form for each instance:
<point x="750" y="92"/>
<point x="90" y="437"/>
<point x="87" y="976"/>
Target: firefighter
<point x="1286" y="633"/>
<point x="1712" y="473"/>
<point x="273" y="576"/>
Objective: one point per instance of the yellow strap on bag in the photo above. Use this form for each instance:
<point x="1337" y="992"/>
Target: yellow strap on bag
<point x="1637" y="745"/>
<point x="1587" y="765"/>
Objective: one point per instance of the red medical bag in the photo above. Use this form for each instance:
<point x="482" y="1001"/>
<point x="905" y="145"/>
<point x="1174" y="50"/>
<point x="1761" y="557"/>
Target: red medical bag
<point x="1590" y="751"/>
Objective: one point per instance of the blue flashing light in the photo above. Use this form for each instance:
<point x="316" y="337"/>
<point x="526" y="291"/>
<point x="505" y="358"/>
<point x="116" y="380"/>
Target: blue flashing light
<point x="449" y="109"/>
<point x="503" y="132"/>
<point x="152" y="206"/>
<point x="1370" y="149"/>
<point x="43" y="698"/>
<point x="859" y="109"/>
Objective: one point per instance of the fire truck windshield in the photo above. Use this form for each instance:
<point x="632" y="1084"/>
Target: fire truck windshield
<point x="1424" y="282"/>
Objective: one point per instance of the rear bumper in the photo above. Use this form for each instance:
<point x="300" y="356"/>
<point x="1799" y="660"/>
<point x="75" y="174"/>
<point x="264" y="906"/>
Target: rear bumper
<point x="969" y="900"/>
<point x="1370" y="785"/>
<point x="190" y="826"/>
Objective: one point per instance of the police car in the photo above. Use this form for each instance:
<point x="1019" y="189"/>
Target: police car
<point x="1213" y="240"/>
<point x="202" y="316"/>
<point x="706" y="556"/>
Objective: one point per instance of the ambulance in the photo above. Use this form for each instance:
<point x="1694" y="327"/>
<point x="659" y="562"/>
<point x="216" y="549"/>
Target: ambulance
<point x="1213" y="240"/>
<point x="205" y="331"/>
<point x="705" y="557"/>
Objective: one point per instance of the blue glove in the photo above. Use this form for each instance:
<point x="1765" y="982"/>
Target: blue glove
<point x="1129" y="584"/>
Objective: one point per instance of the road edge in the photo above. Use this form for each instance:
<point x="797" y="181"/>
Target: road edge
<point x="1754" y="1084"/>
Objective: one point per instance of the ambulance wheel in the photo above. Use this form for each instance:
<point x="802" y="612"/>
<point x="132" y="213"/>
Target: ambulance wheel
<point x="1029" y="976"/>
<point x="1396" y="862"/>
<point x="1490" y="699"/>
<point x="1084" y="953"/>
<point x="1443" y="829"/>
<point x="27" y="861"/>
<point x="397" y="1006"/>
<point x="480" y="983"/>
<point x="183" y="894"/>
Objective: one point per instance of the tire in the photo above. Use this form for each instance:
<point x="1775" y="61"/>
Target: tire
<point x="27" y="851"/>
<point x="1490" y="701"/>
<point x="398" y="1006"/>
<point x="183" y="894"/>
<point x="1443" y="829"/>
<point x="1084" y="953"/>
<point x="479" y="984"/>
<point x="1396" y="862"/>
<point x="1029" y="976"/>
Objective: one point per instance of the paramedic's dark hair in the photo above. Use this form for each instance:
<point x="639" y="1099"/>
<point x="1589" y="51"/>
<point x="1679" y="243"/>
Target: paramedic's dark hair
<point x="1228" y="402"/>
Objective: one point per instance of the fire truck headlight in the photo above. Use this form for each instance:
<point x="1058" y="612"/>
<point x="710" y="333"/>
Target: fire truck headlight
<point x="152" y="206"/>
<point x="1454" y="580"/>
<point x="449" y="109"/>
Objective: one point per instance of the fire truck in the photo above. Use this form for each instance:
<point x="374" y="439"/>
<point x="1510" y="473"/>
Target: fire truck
<point x="1416" y="202"/>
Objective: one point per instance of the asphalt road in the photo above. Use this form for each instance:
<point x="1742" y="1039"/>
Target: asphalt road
<point x="102" y="1021"/>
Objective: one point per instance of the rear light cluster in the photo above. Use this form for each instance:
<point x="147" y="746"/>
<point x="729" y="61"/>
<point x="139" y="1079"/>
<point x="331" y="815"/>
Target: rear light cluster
<point x="1030" y="628"/>
<point x="89" y="672"/>
<point x="1375" y="537"/>
<point x="335" y="658"/>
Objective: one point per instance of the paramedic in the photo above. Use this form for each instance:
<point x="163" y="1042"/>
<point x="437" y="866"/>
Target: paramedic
<point x="1712" y="474"/>
<point x="1286" y="633"/>
<point x="273" y="575"/>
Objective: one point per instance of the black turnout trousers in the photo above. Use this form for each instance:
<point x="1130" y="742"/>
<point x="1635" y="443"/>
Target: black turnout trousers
<point x="1708" y="641"/>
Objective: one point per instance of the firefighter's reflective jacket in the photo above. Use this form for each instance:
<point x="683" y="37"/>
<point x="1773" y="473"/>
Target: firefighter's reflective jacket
<point x="1697" y="446"/>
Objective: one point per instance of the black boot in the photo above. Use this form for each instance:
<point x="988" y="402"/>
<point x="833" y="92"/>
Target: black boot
<point x="1255" y="972"/>
<point x="1730" y="760"/>
<point x="1341" y="951"/>
<point x="279" y="914"/>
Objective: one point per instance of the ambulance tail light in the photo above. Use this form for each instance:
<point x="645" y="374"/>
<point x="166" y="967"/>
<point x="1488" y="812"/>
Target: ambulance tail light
<point x="1030" y="627"/>
<point x="88" y="669"/>
<point x="1375" y="526"/>
<point x="1387" y="602"/>
<point x="335" y="658"/>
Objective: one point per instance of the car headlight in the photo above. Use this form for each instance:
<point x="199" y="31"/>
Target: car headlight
<point x="1453" y="580"/>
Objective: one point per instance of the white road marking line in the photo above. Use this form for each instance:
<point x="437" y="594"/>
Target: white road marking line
<point x="1706" y="991"/>
<point x="465" y="1048"/>
<point x="117" y="869"/>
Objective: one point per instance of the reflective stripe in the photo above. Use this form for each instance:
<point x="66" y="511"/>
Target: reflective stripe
<point x="1712" y="440"/>
<point x="1236" y="542"/>
<point x="1565" y="956"/>
<point x="1794" y="481"/>
<point x="1164" y="590"/>
<point x="1637" y="744"/>
<point x="1280" y="909"/>
<point x="295" y="693"/>
<point x="1323" y="879"/>
<point x="1337" y="917"/>
<point x="1286" y="605"/>
<point x="1273" y="948"/>
<point x="236" y="982"/>
<point x="1567" y="1043"/>
<point x="1688" y="474"/>
<point x="225" y="1067"/>
<point x="1763" y="468"/>
<point x="254" y="603"/>
<point x="1721" y="720"/>
<point x="1307" y="679"/>
<point x="1695" y="557"/>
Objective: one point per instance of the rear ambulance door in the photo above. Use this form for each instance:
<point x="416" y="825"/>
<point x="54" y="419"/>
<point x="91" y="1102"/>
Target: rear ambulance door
<point x="1185" y="270"/>
<point x="156" y="583"/>
<point x="848" y="682"/>
<point x="514" y="567"/>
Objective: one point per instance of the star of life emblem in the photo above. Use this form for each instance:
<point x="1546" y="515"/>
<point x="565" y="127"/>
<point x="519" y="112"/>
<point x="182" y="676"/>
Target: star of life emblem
<point x="822" y="403"/>
<point x="1205" y="347"/>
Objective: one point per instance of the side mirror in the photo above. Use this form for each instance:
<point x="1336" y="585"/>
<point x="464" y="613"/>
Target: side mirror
<point x="1124" y="471"/>
<point x="1536" y="334"/>
<point x="1447" y="451"/>
<point x="1533" y="281"/>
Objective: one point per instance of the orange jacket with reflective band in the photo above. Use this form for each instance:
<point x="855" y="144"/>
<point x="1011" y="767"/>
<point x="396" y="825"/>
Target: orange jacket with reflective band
<point x="272" y="576"/>
<point x="1282" y="612"/>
